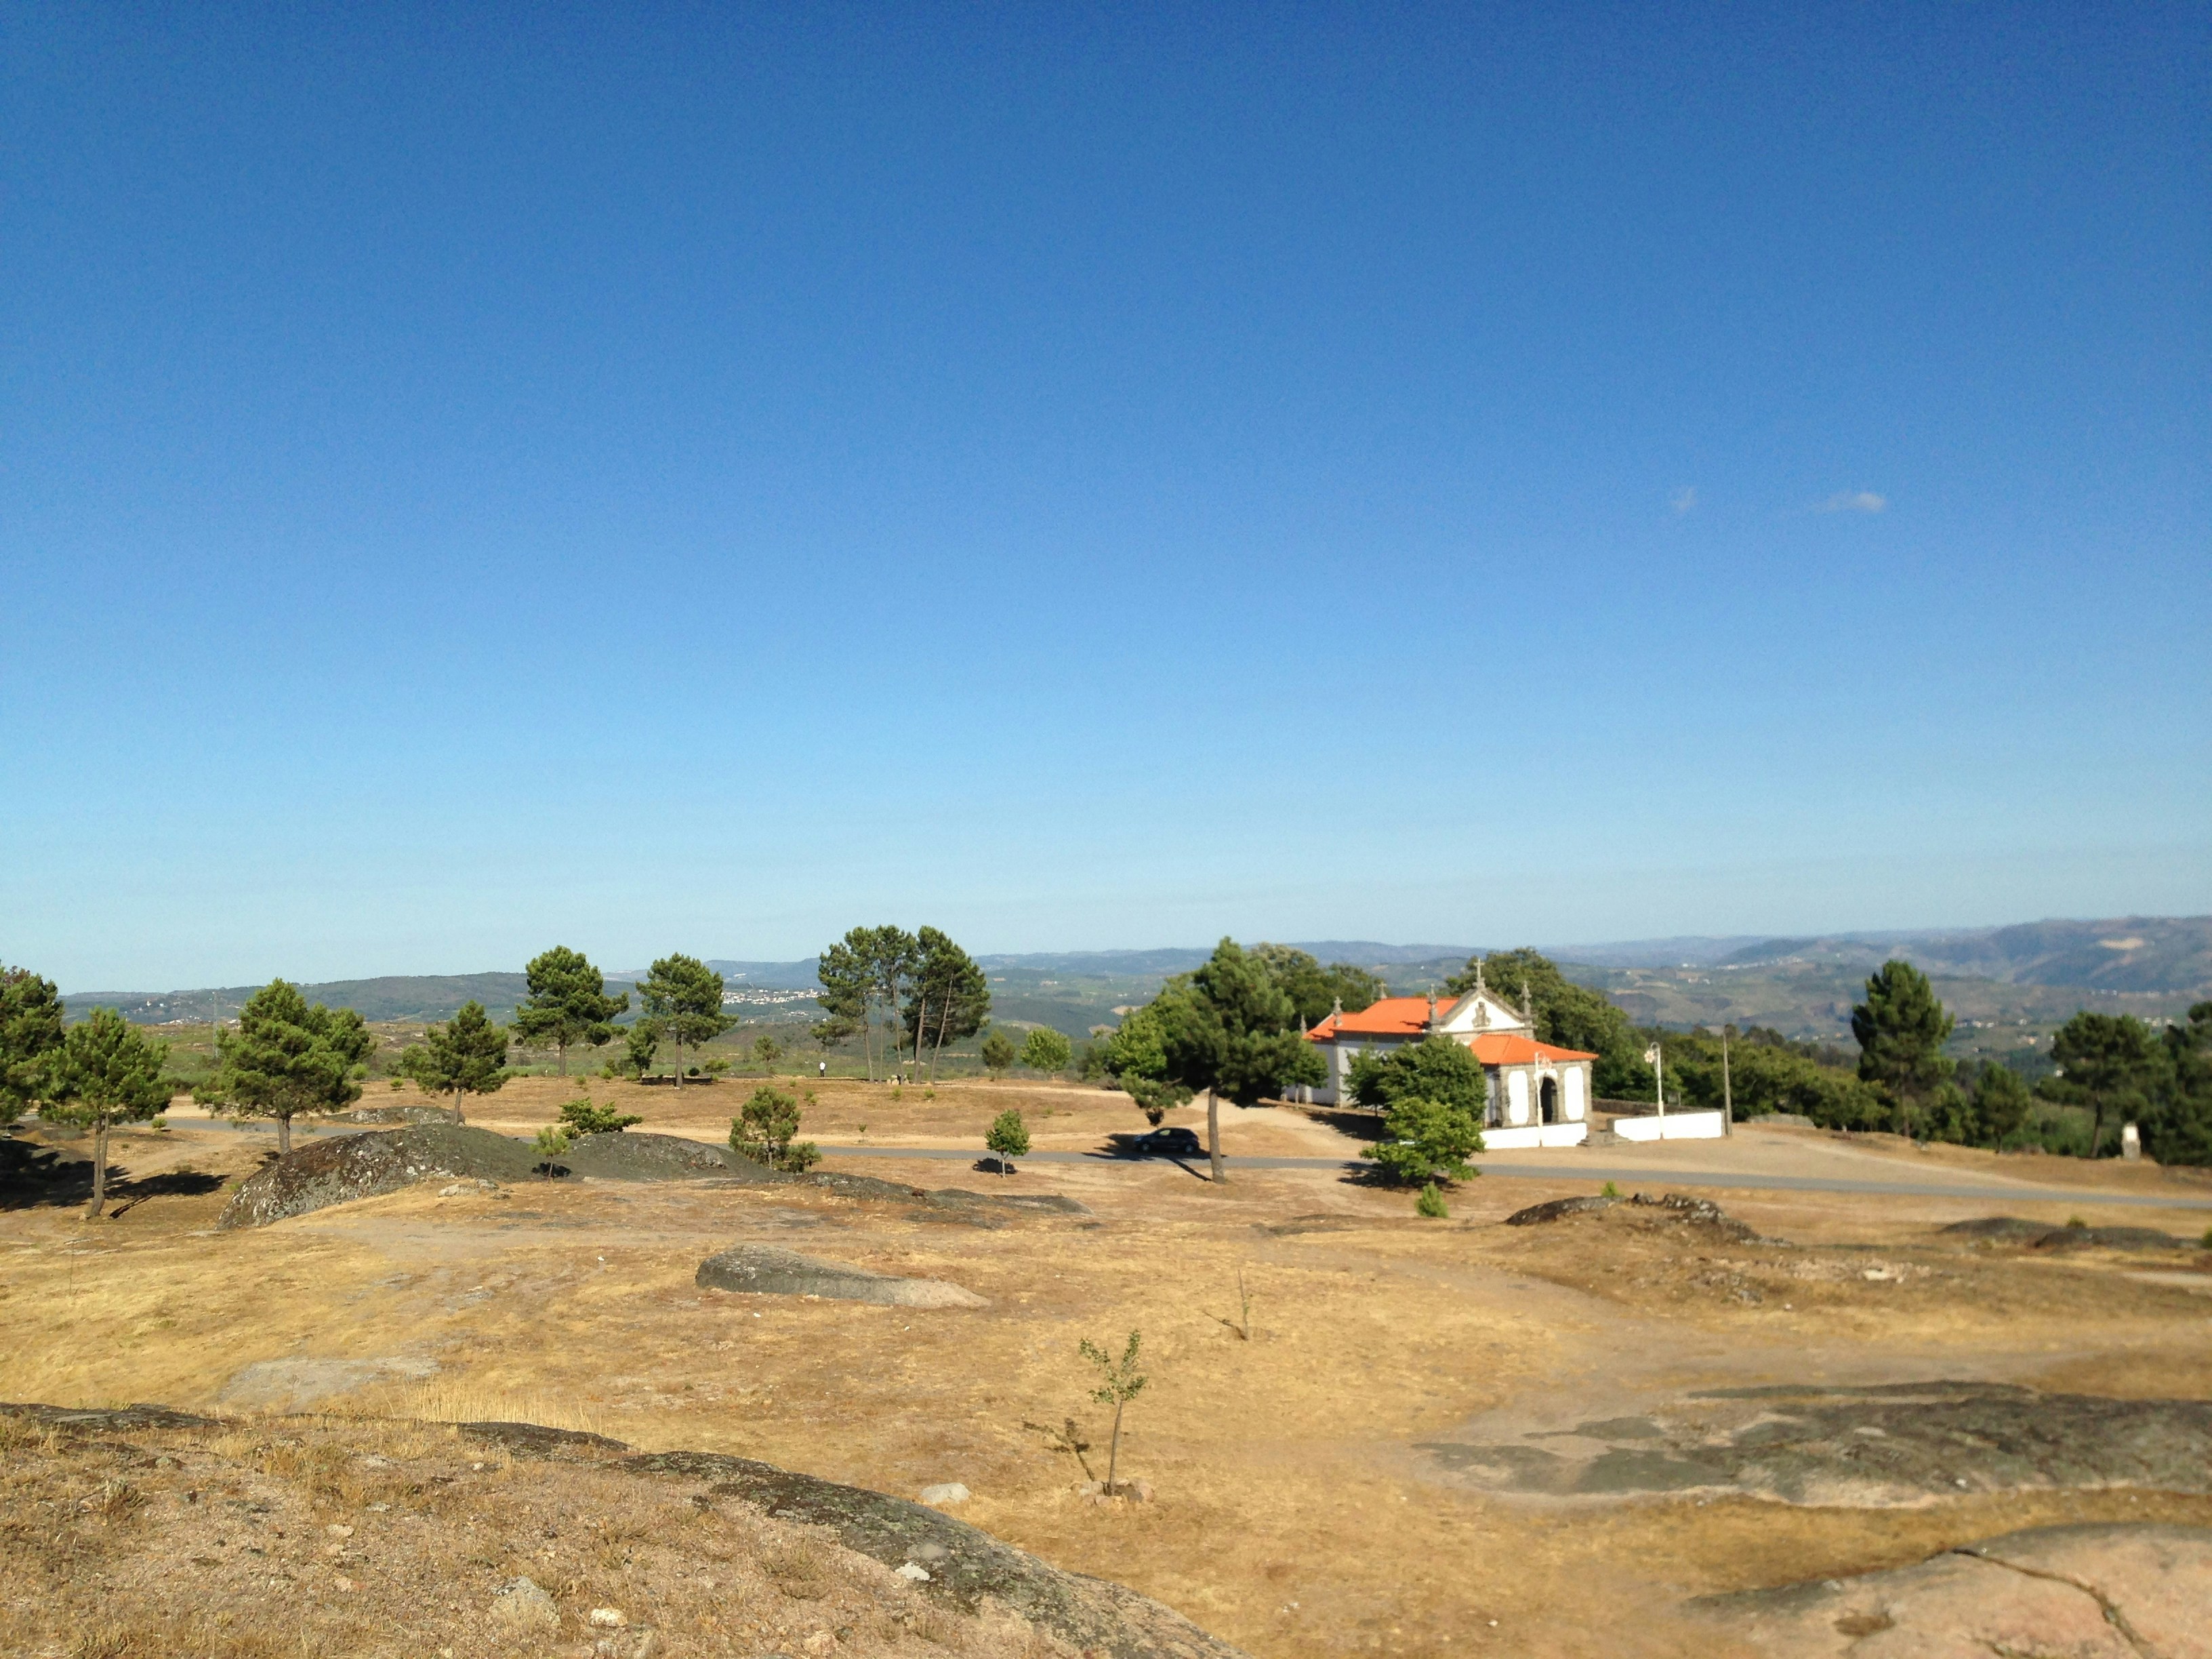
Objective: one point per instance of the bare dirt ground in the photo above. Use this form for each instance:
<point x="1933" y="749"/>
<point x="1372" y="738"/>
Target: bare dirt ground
<point x="1302" y="1505"/>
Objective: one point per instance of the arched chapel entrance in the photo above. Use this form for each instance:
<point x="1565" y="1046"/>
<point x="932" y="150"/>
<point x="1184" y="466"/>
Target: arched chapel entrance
<point x="1548" y="1099"/>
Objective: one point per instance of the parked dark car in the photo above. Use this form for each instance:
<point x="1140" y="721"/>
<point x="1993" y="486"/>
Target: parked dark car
<point x="1160" y="1143"/>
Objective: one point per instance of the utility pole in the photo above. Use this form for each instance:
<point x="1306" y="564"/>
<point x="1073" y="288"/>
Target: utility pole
<point x="1657" y="1058"/>
<point x="1728" y="1095"/>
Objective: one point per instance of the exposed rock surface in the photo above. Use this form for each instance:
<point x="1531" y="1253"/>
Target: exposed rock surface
<point x="2086" y="1592"/>
<point x="344" y="1168"/>
<point x="292" y="1385"/>
<point x="2041" y="1235"/>
<point x="449" y="1574"/>
<point x="1558" y="1209"/>
<point x="1900" y="1444"/>
<point x="963" y="1566"/>
<point x="387" y="1116"/>
<point x="1700" y="1213"/>
<point x="641" y="1155"/>
<point x="348" y="1167"/>
<point x="704" y="1541"/>
<point x="767" y="1269"/>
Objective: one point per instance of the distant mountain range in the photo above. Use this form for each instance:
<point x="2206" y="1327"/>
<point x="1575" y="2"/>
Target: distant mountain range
<point x="2158" y="954"/>
<point x="2169" y="955"/>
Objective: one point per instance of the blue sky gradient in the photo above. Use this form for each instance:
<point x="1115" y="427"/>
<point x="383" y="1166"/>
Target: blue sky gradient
<point x="1093" y="478"/>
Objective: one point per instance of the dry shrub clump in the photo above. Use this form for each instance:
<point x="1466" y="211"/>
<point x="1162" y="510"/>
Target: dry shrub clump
<point x="328" y="1537"/>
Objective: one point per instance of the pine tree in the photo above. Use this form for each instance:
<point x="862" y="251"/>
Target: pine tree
<point x="287" y="1058"/>
<point x="568" y="1004"/>
<point x="466" y="1055"/>
<point x="1046" y="1050"/>
<point x="30" y="1032"/>
<point x="1009" y="1137"/>
<point x="1901" y="1029"/>
<point x="105" y="1073"/>
<point x="2107" y="1060"/>
<point x="683" y="999"/>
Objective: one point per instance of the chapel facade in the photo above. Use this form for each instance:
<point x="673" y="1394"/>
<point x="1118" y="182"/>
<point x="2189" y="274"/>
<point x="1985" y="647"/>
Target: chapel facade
<point x="1538" y="1095"/>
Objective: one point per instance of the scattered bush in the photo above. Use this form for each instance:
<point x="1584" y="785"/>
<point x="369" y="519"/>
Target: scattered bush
<point x="1427" y="1141"/>
<point x="581" y="1117"/>
<point x="1009" y="1137"/>
<point x="1046" y="1050"/>
<point x="1430" y="1203"/>
<point x="765" y="1131"/>
<point x="550" y="1147"/>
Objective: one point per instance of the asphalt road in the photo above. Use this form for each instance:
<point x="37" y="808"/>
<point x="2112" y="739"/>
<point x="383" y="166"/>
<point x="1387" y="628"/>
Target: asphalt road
<point x="1595" y="1172"/>
<point x="1649" y="1178"/>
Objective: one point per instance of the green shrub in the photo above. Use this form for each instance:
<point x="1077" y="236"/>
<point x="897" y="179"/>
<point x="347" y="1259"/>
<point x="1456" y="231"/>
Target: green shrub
<point x="765" y="1131"/>
<point x="1430" y="1203"/>
<point x="1608" y="1191"/>
<point x="1046" y="1050"/>
<point x="551" y="1146"/>
<point x="1427" y="1141"/>
<point x="1009" y="1137"/>
<point x="581" y="1117"/>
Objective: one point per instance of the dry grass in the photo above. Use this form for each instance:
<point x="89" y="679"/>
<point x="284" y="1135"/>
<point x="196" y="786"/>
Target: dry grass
<point x="321" y="1537"/>
<point x="1292" y="1516"/>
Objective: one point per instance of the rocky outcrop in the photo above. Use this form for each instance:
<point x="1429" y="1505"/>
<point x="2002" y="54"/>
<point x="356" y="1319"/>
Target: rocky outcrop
<point x="1904" y="1444"/>
<point x="1558" y="1209"/>
<point x="806" y="1545"/>
<point x="348" y="1167"/>
<point x="950" y="1561"/>
<point x="768" y="1270"/>
<point x="2088" y="1592"/>
<point x="2041" y="1235"/>
<point x="345" y="1168"/>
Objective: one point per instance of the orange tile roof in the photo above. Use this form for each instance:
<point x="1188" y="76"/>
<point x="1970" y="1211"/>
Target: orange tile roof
<point x="1409" y="1016"/>
<point x="1506" y="1048"/>
<point x="1391" y="1017"/>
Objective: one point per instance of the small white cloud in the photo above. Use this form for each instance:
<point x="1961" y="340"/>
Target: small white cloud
<point x="1854" y="500"/>
<point x="1683" y="498"/>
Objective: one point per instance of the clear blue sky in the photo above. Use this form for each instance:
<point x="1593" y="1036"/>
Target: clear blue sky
<point x="473" y="477"/>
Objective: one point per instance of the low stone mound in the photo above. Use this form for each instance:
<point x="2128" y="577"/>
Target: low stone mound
<point x="955" y="1565"/>
<point x="348" y="1167"/>
<point x="1696" y="1211"/>
<point x="1558" y="1209"/>
<point x="2110" y="1238"/>
<point x="2042" y="1236"/>
<point x="770" y="1270"/>
<point x="853" y="1185"/>
<point x="390" y="1116"/>
<point x="833" y="1568"/>
<point x="636" y="1155"/>
<point x="2110" y="1591"/>
<point x="1886" y="1446"/>
<point x="1321" y="1223"/>
<point x="1997" y="1229"/>
<point x="345" y="1168"/>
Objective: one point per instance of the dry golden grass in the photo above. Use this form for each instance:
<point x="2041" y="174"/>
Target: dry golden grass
<point x="320" y="1537"/>
<point x="1292" y="1515"/>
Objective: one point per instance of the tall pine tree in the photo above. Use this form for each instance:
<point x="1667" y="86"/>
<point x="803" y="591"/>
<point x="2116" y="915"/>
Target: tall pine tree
<point x="1901" y="1029"/>
<point x="568" y="1004"/>
<point x="105" y="1073"/>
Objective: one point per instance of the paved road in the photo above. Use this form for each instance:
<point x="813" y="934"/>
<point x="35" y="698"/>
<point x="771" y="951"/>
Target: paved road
<point x="1994" y="1192"/>
<point x="1595" y="1172"/>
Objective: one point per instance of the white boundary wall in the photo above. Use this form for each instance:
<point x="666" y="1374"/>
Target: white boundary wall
<point x="1507" y="1138"/>
<point x="1674" y="1125"/>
